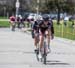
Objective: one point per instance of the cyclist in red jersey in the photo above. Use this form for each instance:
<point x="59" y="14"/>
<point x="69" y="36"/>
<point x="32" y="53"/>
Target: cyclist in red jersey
<point x="12" y="22"/>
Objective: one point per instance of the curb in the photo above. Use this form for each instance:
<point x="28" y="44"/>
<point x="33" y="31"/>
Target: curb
<point x="65" y="41"/>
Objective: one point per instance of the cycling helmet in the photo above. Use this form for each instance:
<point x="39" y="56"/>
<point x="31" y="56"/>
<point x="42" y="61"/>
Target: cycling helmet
<point x="45" y="17"/>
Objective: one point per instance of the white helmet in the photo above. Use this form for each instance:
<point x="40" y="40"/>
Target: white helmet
<point x="20" y="16"/>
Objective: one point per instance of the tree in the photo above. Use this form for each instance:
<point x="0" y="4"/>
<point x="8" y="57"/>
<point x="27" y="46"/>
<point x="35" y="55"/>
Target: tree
<point x="10" y="6"/>
<point x="60" y="6"/>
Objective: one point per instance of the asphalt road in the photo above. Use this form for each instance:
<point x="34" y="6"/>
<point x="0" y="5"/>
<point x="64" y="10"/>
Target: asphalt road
<point x="17" y="51"/>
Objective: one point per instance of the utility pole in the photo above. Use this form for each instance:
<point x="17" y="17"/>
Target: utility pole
<point x="17" y="7"/>
<point x="38" y="6"/>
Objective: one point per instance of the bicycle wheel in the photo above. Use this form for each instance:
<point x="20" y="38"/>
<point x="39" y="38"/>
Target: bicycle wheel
<point x="44" y="55"/>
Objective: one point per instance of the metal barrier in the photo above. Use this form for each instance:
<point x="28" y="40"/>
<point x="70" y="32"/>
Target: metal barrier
<point x="65" y="31"/>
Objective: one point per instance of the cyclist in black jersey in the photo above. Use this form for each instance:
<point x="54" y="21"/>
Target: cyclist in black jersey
<point x="40" y="28"/>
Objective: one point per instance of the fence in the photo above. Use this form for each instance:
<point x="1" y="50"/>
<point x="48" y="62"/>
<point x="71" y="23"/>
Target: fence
<point x="61" y="30"/>
<point x="65" y="31"/>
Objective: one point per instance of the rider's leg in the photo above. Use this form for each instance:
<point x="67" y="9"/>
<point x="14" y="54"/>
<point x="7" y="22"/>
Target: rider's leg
<point x="41" y="41"/>
<point x="35" y="42"/>
<point x="49" y="33"/>
<point x="12" y="25"/>
<point x="48" y="40"/>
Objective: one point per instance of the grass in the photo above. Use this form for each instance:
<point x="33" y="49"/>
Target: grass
<point x="4" y="24"/>
<point x="60" y="30"/>
<point x="64" y="31"/>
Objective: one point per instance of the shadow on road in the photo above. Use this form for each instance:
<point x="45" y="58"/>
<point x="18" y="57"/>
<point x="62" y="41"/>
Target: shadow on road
<point x="55" y="62"/>
<point x="17" y="51"/>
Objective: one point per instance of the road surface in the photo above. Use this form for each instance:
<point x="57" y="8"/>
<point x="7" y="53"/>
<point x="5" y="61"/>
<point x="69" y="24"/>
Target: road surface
<point x="17" y="51"/>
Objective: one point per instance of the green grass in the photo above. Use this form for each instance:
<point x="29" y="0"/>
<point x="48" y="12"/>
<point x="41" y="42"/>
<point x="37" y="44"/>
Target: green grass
<point x="4" y="24"/>
<point x="67" y="32"/>
<point x="3" y="17"/>
<point x="64" y="31"/>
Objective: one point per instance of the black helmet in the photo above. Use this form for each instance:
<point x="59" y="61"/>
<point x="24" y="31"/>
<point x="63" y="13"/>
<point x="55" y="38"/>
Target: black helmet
<point x="45" y="17"/>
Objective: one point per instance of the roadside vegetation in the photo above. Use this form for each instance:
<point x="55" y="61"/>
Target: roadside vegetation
<point x="60" y="30"/>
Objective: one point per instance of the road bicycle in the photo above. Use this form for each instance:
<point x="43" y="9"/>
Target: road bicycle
<point x="43" y="52"/>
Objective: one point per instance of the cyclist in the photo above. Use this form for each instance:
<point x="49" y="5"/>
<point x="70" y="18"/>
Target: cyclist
<point x="35" y="32"/>
<point x="12" y="22"/>
<point x="20" y="22"/>
<point x="32" y="24"/>
<point x="42" y="27"/>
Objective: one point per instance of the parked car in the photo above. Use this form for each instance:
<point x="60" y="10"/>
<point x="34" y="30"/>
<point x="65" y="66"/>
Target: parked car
<point x="34" y="16"/>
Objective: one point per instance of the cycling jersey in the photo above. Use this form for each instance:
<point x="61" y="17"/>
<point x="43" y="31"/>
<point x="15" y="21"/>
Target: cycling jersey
<point x="43" y="27"/>
<point x="39" y="25"/>
<point x="36" y="26"/>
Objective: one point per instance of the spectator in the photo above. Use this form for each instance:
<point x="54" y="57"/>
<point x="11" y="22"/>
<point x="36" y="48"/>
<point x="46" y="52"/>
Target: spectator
<point x="65" y="20"/>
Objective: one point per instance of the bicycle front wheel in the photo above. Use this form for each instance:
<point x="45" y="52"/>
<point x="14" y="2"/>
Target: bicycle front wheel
<point x="44" y="55"/>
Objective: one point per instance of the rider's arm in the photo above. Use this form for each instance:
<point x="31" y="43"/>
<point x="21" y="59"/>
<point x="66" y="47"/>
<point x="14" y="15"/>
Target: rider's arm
<point x="52" y="30"/>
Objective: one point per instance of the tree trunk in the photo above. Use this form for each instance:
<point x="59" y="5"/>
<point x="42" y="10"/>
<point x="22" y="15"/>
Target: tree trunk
<point x="58" y="18"/>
